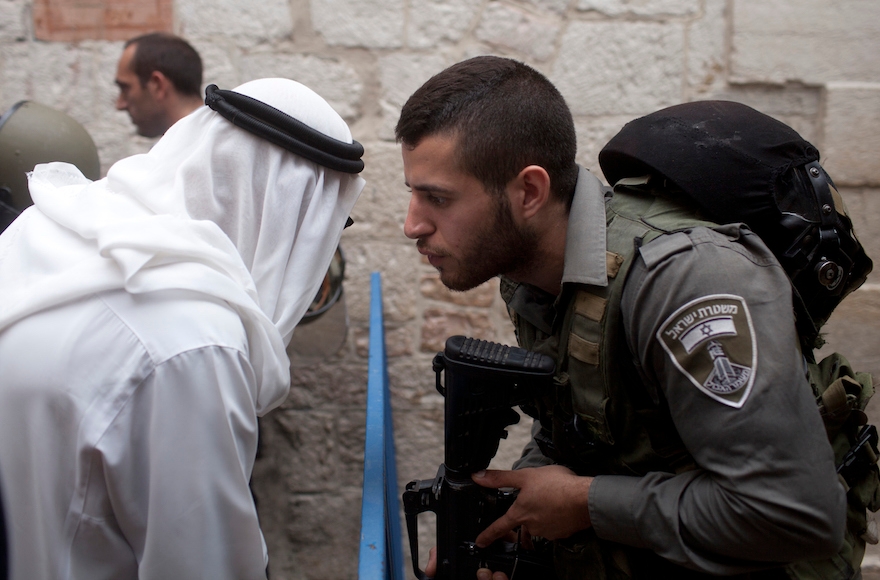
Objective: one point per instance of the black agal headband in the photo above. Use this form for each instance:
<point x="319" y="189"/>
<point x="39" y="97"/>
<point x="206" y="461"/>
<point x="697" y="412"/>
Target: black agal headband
<point x="279" y="128"/>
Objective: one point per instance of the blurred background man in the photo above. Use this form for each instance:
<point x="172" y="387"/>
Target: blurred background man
<point x="159" y="76"/>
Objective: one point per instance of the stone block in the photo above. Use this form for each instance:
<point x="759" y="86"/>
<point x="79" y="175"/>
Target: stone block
<point x="554" y="6"/>
<point x="397" y="263"/>
<point x="851" y="149"/>
<point x="863" y="206"/>
<point x="640" y="7"/>
<point x="322" y="449"/>
<point x="398" y="342"/>
<point x="73" y="20"/>
<point x="412" y="383"/>
<point x="440" y="324"/>
<point x="432" y="22"/>
<point x="411" y="380"/>
<point x="328" y="383"/>
<point x="418" y="442"/>
<point x="14" y="21"/>
<point x="512" y="28"/>
<point x="52" y="74"/>
<point x="220" y="62"/>
<point x="246" y="23"/>
<point x="483" y="295"/>
<point x="381" y="209"/>
<point x="809" y="41"/>
<point x="313" y="536"/>
<point x="358" y="23"/>
<point x="620" y="68"/>
<point x="337" y="82"/>
<point x="400" y="75"/>
<point x="706" y="49"/>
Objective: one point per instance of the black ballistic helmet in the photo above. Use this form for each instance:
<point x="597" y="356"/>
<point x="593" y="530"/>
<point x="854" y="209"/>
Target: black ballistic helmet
<point x="739" y="165"/>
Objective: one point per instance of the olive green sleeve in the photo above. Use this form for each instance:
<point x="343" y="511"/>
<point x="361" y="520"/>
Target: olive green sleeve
<point x="708" y="317"/>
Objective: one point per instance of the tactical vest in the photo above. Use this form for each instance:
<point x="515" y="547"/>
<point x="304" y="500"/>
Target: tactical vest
<point x="611" y="423"/>
<point x="609" y="428"/>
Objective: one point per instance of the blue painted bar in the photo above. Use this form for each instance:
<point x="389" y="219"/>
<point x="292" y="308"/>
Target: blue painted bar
<point x="381" y="554"/>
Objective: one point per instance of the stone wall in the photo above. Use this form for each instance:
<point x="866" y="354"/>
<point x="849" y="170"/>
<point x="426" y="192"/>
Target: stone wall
<point x="810" y="63"/>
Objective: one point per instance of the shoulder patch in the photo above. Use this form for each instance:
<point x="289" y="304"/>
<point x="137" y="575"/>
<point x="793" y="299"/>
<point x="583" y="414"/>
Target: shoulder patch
<point x="712" y="341"/>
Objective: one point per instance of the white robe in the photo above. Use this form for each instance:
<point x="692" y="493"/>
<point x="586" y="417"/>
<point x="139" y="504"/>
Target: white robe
<point x="143" y="325"/>
<point x="128" y="432"/>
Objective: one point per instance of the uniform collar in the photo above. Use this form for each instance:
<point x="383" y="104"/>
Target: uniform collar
<point x="585" y="237"/>
<point x="584" y="255"/>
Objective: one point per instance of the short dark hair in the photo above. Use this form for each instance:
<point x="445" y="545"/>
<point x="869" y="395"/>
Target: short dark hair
<point x="170" y="55"/>
<point x="506" y="116"/>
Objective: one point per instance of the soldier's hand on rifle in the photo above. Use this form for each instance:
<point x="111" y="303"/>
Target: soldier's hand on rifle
<point x="553" y="502"/>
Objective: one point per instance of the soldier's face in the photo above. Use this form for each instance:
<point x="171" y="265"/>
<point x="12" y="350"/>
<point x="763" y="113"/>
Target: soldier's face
<point x="465" y="232"/>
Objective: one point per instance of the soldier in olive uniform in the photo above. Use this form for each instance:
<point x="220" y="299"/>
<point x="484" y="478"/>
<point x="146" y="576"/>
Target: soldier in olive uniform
<point x="683" y="437"/>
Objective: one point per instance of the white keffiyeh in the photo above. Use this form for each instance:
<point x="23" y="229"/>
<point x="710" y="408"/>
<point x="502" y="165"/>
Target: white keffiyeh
<point x="211" y="209"/>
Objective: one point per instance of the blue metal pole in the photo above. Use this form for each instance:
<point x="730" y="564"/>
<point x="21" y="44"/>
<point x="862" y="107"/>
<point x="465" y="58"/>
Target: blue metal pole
<point x="372" y="562"/>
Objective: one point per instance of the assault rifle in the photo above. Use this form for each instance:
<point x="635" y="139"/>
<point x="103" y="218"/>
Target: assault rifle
<point x="484" y="380"/>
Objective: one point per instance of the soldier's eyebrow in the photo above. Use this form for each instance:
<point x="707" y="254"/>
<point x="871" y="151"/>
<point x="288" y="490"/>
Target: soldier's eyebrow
<point x="429" y="188"/>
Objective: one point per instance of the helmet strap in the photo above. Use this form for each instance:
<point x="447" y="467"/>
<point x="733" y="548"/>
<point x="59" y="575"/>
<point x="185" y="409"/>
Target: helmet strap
<point x="833" y="264"/>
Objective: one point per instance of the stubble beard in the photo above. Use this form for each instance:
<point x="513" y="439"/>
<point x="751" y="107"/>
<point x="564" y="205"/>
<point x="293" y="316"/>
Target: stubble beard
<point x="152" y="126"/>
<point x="500" y="247"/>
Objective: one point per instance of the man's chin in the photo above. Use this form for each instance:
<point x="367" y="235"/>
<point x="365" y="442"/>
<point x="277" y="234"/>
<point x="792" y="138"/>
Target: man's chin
<point x="148" y="134"/>
<point x="458" y="284"/>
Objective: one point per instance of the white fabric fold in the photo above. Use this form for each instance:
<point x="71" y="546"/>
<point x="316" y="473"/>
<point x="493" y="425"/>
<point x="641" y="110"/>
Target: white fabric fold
<point x="211" y="209"/>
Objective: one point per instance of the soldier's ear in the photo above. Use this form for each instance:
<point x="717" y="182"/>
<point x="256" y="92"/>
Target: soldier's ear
<point x="532" y="190"/>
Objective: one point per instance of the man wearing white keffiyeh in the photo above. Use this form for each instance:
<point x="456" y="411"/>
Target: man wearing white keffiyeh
<point x="143" y="325"/>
